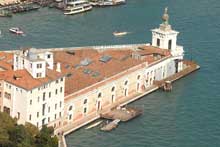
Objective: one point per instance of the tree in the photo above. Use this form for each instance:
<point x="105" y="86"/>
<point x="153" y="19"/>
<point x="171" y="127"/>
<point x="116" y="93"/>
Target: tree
<point x="28" y="135"/>
<point x="44" y="139"/>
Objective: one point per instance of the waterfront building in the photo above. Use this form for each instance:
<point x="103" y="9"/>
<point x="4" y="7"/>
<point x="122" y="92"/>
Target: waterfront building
<point x="67" y="88"/>
<point x="31" y="89"/>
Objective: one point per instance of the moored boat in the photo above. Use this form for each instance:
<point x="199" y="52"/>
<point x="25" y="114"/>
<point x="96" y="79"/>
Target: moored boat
<point x="106" y="3"/>
<point x="75" y="7"/>
<point x="16" y="30"/>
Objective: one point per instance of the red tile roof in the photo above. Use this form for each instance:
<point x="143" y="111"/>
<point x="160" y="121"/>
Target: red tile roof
<point x="121" y="61"/>
<point x="77" y="78"/>
<point x="24" y="80"/>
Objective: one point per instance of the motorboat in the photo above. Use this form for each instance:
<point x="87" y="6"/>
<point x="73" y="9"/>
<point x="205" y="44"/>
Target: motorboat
<point x="120" y="33"/>
<point x="16" y="30"/>
<point x="77" y="6"/>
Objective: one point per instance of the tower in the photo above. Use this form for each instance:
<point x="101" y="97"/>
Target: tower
<point x="165" y="37"/>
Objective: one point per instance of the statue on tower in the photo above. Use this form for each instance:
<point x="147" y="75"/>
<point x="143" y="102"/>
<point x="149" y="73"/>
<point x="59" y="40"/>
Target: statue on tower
<point x="165" y="16"/>
<point x="165" y="26"/>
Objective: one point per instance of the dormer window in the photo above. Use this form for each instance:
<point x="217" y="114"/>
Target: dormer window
<point x="39" y="65"/>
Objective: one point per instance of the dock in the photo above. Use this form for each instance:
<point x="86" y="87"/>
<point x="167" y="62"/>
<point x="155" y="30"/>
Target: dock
<point x="122" y="114"/>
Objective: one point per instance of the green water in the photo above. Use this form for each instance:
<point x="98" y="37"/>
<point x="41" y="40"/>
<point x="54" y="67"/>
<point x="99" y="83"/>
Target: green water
<point x="189" y="116"/>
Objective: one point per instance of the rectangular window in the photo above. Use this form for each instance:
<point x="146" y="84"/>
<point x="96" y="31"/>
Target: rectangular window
<point x="57" y="81"/>
<point x="49" y="94"/>
<point x="48" y="119"/>
<point x="37" y="114"/>
<point x="18" y="115"/>
<point x="44" y="96"/>
<point x="30" y="102"/>
<point x="39" y="75"/>
<point x="158" y="42"/>
<point x="29" y="117"/>
<point x="55" y="106"/>
<point x="43" y="109"/>
<point x="39" y="65"/>
<point x="61" y="89"/>
<point x="61" y="79"/>
<point x="56" y="91"/>
<point x="48" y="56"/>
<point x="60" y="104"/>
<point x="7" y="95"/>
<point x="55" y="116"/>
<point x="60" y="114"/>
<point x="48" y="109"/>
<point x="170" y="44"/>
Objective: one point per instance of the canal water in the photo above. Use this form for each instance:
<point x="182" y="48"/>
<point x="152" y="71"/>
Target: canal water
<point x="189" y="116"/>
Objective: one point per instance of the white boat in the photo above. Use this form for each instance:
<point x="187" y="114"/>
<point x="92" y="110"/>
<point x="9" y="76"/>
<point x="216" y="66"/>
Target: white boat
<point x="94" y="125"/>
<point x="106" y="3"/>
<point x="16" y="30"/>
<point x="118" y="2"/>
<point x="120" y="33"/>
<point x="77" y="6"/>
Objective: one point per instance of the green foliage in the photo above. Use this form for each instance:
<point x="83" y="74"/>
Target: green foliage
<point x="14" y="135"/>
<point x="44" y="139"/>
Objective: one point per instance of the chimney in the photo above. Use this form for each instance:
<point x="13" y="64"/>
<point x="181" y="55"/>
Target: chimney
<point x="58" y="67"/>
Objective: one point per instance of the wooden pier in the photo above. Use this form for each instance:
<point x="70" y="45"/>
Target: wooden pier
<point x="123" y="114"/>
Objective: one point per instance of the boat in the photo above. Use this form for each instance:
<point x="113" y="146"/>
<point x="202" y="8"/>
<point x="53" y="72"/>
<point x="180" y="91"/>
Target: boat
<point x="5" y="13"/>
<point x="77" y="6"/>
<point x="110" y="126"/>
<point x="106" y="3"/>
<point x="16" y="30"/>
<point x="94" y="125"/>
<point x="120" y="33"/>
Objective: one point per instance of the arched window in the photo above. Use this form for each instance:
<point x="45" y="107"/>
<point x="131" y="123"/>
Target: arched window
<point x="113" y="89"/>
<point x="99" y="95"/>
<point x="85" y="110"/>
<point x="85" y="101"/>
<point x="70" y="108"/>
